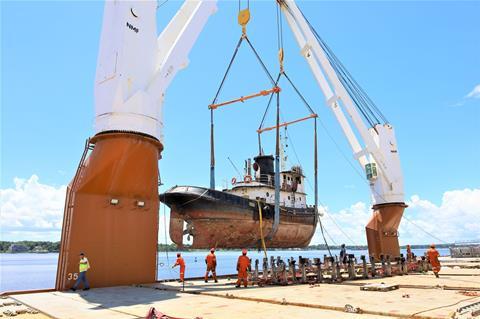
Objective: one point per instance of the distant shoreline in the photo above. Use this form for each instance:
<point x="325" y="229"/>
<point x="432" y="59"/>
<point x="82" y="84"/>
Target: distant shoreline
<point x="42" y="247"/>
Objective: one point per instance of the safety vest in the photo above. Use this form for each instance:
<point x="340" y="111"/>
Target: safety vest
<point x="83" y="264"/>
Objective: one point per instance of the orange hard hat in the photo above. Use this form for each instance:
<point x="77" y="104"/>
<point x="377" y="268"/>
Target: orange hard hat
<point x="244" y="251"/>
<point x="212" y="250"/>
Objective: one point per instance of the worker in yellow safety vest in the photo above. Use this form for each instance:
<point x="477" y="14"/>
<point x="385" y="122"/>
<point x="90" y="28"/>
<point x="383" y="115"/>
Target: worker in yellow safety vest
<point x="83" y="267"/>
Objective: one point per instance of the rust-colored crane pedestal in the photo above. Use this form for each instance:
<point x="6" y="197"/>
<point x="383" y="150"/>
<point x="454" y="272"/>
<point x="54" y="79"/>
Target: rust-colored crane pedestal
<point x="111" y="212"/>
<point x="382" y="230"/>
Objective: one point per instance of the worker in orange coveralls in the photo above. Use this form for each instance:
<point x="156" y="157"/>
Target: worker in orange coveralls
<point x="432" y="257"/>
<point x="409" y="253"/>
<point x="180" y="262"/>
<point x="211" y="261"/>
<point x="243" y="264"/>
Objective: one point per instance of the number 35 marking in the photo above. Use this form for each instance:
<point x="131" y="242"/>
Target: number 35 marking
<point x="73" y="276"/>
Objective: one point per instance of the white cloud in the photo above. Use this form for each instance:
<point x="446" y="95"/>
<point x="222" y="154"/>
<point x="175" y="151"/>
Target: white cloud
<point x="475" y="93"/>
<point x="34" y="211"/>
<point x="31" y="210"/>
<point x="345" y="226"/>
<point x="458" y="103"/>
<point x="457" y="218"/>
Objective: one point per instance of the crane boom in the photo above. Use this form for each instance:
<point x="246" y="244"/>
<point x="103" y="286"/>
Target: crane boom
<point x="380" y="147"/>
<point x="378" y="156"/>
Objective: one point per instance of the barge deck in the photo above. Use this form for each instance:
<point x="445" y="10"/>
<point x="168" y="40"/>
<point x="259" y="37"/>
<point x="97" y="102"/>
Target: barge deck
<point x="418" y="296"/>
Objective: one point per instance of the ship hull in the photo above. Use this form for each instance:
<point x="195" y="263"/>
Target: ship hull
<point x="223" y="220"/>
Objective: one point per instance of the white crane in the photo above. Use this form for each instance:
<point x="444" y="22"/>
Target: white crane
<point x="380" y="146"/>
<point x="378" y="156"/>
<point x="135" y="69"/>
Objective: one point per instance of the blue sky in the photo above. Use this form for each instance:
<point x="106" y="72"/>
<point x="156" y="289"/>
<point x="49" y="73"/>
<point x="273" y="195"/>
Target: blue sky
<point x="417" y="60"/>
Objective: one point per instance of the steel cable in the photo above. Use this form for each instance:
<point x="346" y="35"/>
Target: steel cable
<point x="364" y="104"/>
<point x="227" y="71"/>
<point x="260" y="60"/>
<point x="422" y="229"/>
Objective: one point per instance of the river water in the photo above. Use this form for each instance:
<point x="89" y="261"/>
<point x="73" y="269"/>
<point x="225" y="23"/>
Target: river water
<point x="37" y="271"/>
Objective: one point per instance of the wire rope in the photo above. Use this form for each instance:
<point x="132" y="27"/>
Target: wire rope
<point x="228" y="70"/>
<point x="322" y="228"/>
<point x="364" y="104"/>
<point x="159" y="5"/>
<point x="260" y="60"/>
<point x="422" y="229"/>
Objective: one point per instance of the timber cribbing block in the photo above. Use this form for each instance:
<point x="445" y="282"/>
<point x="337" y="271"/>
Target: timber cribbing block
<point x="379" y="287"/>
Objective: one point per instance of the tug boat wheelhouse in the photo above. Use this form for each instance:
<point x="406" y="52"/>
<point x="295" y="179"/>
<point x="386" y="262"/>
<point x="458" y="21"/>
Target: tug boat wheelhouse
<point x="231" y="218"/>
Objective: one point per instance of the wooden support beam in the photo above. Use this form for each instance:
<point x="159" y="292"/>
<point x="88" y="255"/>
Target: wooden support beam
<point x="275" y="89"/>
<point x="313" y="115"/>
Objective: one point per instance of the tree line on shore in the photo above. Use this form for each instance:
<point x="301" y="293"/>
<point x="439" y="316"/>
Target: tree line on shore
<point x="52" y="247"/>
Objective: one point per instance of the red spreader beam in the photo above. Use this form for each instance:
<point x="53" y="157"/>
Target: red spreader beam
<point x="242" y="99"/>
<point x="287" y="123"/>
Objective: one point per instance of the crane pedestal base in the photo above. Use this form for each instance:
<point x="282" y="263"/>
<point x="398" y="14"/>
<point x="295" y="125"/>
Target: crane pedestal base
<point x="111" y="213"/>
<point x="382" y="230"/>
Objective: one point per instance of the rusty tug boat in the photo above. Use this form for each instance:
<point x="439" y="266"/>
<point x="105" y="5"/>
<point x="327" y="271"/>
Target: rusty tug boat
<point x="268" y="207"/>
<point x="238" y="217"/>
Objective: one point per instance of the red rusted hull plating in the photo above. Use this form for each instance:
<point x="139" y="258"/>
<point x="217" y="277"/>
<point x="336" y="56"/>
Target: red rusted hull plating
<point x="111" y="213"/>
<point x="382" y="230"/>
<point x="216" y="219"/>
<point x="238" y="232"/>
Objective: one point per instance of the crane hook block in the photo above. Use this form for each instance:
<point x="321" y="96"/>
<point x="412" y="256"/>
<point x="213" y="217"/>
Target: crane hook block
<point x="243" y="19"/>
